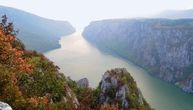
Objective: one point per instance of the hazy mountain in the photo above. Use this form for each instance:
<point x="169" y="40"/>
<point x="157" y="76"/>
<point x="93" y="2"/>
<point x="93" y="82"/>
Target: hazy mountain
<point x="161" y="46"/>
<point x="176" y="14"/>
<point x="37" y="33"/>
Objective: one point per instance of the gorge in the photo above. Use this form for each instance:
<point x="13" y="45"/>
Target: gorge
<point x="96" y="55"/>
<point x="163" y="47"/>
<point x="78" y="59"/>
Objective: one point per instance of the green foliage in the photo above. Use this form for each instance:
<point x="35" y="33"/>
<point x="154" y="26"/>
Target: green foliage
<point x="28" y="80"/>
<point x="111" y="92"/>
<point x="87" y="97"/>
<point x="44" y="80"/>
<point x="133" y="95"/>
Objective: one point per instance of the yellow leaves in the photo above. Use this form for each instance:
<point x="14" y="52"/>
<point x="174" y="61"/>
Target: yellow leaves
<point x="109" y="107"/>
<point x="37" y="101"/>
<point x="22" y="84"/>
<point x="10" y="38"/>
<point x="33" y="101"/>
<point x="14" y="63"/>
<point x="12" y="59"/>
<point x="19" y="53"/>
<point x="6" y="38"/>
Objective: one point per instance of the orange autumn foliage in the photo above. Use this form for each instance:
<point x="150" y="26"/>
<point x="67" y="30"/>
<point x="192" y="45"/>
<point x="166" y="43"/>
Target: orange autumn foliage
<point x="12" y="64"/>
<point x="10" y="56"/>
<point x="109" y="107"/>
<point x="26" y="78"/>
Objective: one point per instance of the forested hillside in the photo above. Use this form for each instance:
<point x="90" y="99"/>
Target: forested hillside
<point x="35" y="32"/>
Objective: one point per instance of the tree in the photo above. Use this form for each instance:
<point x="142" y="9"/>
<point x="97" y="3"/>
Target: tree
<point x="28" y="81"/>
<point x="7" y="27"/>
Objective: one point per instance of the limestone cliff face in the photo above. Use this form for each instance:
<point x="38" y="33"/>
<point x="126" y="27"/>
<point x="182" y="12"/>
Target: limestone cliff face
<point x="117" y="86"/>
<point x="163" y="47"/>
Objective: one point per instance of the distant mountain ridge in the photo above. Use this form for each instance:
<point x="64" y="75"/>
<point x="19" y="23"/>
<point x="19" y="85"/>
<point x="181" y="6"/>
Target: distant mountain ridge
<point x="176" y="14"/>
<point x="37" y="33"/>
<point x="163" y="47"/>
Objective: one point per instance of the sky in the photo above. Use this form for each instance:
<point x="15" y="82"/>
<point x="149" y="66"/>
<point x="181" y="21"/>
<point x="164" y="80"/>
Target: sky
<point x="80" y="12"/>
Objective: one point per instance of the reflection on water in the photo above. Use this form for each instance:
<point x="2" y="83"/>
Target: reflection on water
<point x="78" y="59"/>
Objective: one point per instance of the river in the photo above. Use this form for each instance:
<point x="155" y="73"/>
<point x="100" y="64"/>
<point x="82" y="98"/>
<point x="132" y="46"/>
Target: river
<point x="78" y="59"/>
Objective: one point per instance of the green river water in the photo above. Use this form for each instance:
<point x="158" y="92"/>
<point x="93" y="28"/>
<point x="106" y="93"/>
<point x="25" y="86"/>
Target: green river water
<point x="78" y="59"/>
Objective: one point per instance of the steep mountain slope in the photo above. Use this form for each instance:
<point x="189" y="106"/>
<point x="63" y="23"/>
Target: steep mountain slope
<point x="118" y="86"/>
<point x="176" y="14"/>
<point x="29" y="81"/>
<point x="161" y="46"/>
<point x="117" y="90"/>
<point x="37" y="33"/>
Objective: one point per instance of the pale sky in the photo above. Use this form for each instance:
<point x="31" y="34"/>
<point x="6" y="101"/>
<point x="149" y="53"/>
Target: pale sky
<point x="80" y="12"/>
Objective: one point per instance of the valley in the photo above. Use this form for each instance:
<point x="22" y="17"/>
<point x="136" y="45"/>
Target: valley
<point x="96" y="55"/>
<point x="78" y="59"/>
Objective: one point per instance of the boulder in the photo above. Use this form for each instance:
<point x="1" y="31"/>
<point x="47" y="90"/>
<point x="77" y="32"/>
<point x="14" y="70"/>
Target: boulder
<point x="5" y="106"/>
<point x="83" y="83"/>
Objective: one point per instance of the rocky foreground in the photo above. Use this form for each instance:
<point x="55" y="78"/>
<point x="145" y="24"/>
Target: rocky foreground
<point x="4" y="106"/>
<point x="118" y="87"/>
<point x="117" y="90"/>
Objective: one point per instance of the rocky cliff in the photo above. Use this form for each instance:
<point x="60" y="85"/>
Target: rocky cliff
<point x="161" y="46"/>
<point x="118" y="87"/>
<point x="83" y="83"/>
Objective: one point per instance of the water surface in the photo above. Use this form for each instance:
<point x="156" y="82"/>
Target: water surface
<point x="78" y="59"/>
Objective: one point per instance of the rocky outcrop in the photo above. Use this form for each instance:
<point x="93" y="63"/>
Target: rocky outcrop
<point x="161" y="46"/>
<point x="83" y="83"/>
<point x="186" y="85"/>
<point x="4" y="106"/>
<point x="118" y="87"/>
<point x="70" y="96"/>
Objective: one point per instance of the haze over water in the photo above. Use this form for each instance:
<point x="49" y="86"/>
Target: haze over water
<point x="80" y="12"/>
<point x="78" y="59"/>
